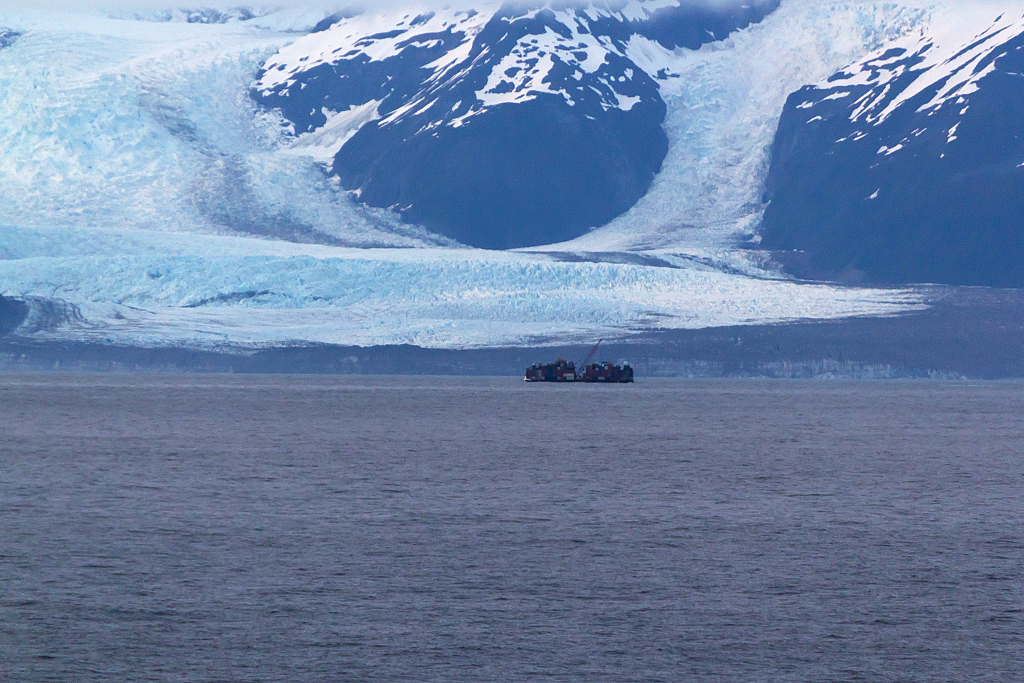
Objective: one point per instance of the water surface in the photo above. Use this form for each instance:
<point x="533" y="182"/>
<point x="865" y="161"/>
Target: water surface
<point x="263" y="528"/>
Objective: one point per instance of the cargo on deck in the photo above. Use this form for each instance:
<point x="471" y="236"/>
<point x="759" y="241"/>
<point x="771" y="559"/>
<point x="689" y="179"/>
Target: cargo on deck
<point x="565" y="371"/>
<point x="559" y="371"/>
<point x="606" y="372"/>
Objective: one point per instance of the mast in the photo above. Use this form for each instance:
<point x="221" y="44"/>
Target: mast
<point x="583" y="365"/>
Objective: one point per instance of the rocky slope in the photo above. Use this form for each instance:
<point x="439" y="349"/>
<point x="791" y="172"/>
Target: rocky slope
<point x="908" y="165"/>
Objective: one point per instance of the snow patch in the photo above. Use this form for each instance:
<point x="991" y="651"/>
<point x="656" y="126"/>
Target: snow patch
<point x="952" y="133"/>
<point x="324" y="143"/>
<point x="528" y="81"/>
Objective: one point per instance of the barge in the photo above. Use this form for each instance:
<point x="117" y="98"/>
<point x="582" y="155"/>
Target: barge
<point x="565" y="371"/>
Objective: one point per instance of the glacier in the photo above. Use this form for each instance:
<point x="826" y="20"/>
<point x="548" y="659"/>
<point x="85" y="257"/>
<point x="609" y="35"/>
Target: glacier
<point x="144" y="188"/>
<point x="724" y="103"/>
<point x="213" y="290"/>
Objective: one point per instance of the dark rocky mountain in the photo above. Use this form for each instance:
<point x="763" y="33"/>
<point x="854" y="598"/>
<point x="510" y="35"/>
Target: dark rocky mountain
<point x="12" y="314"/>
<point x="907" y="166"/>
<point x="506" y="127"/>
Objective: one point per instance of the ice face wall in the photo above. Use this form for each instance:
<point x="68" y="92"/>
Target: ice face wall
<point x="501" y="127"/>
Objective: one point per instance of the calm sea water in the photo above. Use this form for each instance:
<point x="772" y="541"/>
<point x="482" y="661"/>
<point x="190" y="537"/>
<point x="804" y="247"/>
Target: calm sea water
<point x="224" y="528"/>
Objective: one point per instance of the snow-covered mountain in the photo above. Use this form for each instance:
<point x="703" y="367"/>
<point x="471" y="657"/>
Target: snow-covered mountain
<point x="506" y="125"/>
<point x="155" y="188"/>
<point x="908" y="165"/>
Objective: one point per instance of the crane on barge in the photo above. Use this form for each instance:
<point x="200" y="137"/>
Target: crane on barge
<point x="565" y="371"/>
<point x="591" y="354"/>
